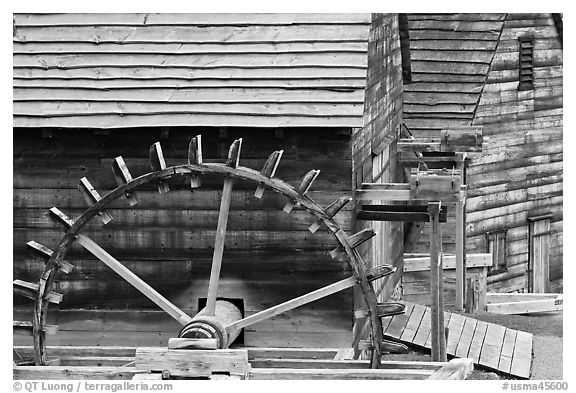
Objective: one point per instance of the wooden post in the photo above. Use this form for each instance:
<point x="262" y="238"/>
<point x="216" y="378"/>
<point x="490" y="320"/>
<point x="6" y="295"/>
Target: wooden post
<point x="460" y="248"/>
<point x="460" y="268"/>
<point x="437" y="310"/>
<point x="195" y="157"/>
<point x="233" y="158"/>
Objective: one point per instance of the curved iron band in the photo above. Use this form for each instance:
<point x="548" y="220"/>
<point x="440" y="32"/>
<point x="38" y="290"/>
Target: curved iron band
<point x="275" y="184"/>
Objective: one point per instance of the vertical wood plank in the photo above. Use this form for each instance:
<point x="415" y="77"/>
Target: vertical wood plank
<point x="424" y="329"/>
<point x="505" y="362"/>
<point x="466" y="337"/>
<point x="219" y="246"/>
<point x="477" y="341"/>
<point x="399" y="321"/>
<point x="490" y="354"/>
<point x="413" y="323"/>
<point x="522" y="358"/>
<point x="460" y="268"/>
<point x="455" y="327"/>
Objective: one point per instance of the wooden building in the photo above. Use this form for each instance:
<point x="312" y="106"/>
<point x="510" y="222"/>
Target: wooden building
<point x="90" y="87"/>
<point x="502" y="72"/>
<point x="333" y="91"/>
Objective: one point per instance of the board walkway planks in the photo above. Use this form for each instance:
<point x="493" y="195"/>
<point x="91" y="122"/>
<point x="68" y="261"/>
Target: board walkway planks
<point x="492" y="346"/>
<point x="507" y="352"/>
<point x="466" y="336"/>
<point x="398" y="323"/>
<point x="424" y="329"/>
<point x="413" y="323"/>
<point x="522" y="359"/>
<point x="489" y="345"/>
<point x="455" y="327"/>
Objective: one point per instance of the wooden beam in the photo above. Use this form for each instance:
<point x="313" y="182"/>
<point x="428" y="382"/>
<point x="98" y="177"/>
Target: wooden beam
<point x="85" y="351"/>
<point x="455" y="369"/>
<point x="157" y="163"/>
<point x="134" y="280"/>
<point x="232" y="161"/>
<point x="355" y="240"/>
<point x="303" y="188"/>
<point x="335" y="374"/>
<point x="460" y="256"/>
<point x="45" y="253"/>
<point x="400" y="194"/>
<point x="193" y="364"/>
<point x="269" y="170"/>
<point x="331" y="211"/>
<point x="30" y="290"/>
<point x="448" y="262"/>
<point x="526" y="307"/>
<point x="343" y="364"/>
<point x="518" y="297"/>
<point x="195" y="158"/>
<point x="123" y="176"/>
<point x="438" y="338"/>
<point x="369" y="215"/>
<point x="292" y="304"/>
<point x="73" y="373"/>
<point x="291" y="353"/>
<point x="92" y="196"/>
<point x="379" y="271"/>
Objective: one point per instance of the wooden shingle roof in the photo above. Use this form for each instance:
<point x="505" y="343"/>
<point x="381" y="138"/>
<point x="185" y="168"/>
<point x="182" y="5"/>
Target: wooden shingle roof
<point x="136" y="70"/>
<point x="451" y="55"/>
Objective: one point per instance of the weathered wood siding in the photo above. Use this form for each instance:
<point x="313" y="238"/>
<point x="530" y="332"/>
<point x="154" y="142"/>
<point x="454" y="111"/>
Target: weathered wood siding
<point x="465" y="71"/>
<point x="450" y="55"/>
<point x="167" y="240"/>
<point x="142" y="70"/>
<point x="520" y="175"/>
<point x="374" y="147"/>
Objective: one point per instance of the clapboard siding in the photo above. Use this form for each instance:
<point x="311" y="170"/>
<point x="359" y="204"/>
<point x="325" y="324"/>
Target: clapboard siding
<point x="450" y="56"/>
<point x="520" y="174"/>
<point x="137" y="70"/>
<point x="465" y="72"/>
<point x="374" y="147"/>
<point x="269" y="256"/>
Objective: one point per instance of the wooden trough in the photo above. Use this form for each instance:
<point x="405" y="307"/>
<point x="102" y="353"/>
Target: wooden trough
<point x="128" y="363"/>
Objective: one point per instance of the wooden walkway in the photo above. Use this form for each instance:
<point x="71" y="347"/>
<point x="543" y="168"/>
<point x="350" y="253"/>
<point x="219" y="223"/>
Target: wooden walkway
<point x="489" y="345"/>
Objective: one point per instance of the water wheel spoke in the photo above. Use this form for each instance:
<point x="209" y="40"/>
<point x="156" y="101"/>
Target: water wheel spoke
<point x="292" y="304"/>
<point x="133" y="279"/>
<point x="232" y="161"/>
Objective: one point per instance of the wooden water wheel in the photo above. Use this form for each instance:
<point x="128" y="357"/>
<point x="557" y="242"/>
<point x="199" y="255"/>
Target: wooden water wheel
<point x="217" y="320"/>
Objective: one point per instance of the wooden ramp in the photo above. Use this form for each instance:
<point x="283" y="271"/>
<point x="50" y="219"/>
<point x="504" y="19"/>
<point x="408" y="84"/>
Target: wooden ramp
<point x="492" y="346"/>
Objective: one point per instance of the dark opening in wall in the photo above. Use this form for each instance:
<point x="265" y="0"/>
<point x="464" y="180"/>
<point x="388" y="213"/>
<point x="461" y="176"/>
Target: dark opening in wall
<point x="496" y="245"/>
<point x="526" y="63"/>
<point x="405" y="48"/>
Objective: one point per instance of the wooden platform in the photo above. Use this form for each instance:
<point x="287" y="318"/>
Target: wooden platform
<point x="96" y="362"/>
<point x="489" y="345"/>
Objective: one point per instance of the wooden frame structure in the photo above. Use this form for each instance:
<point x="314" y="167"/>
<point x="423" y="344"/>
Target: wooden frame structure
<point x="236" y="364"/>
<point x="432" y="189"/>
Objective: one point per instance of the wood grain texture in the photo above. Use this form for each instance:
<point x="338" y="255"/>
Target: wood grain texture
<point x="46" y="174"/>
<point x="520" y="172"/>
<point x="153" y="57"/>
